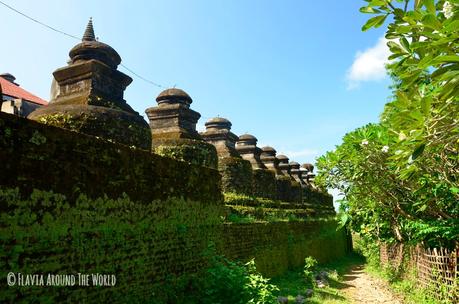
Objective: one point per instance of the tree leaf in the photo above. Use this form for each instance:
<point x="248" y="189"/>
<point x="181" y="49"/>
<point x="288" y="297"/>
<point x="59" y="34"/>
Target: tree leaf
<point x="446" y="59"/>
<point x="418" y="151"/>
<point x="406" y="45"/>
<point x="430" y="6"/>
<point x="431" y="21"/>
<point x="375" y="22"/>
<point x="369" y="10"/>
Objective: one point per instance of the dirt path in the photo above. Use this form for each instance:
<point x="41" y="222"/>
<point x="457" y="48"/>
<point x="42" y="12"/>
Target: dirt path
<point x="363" y="288"/>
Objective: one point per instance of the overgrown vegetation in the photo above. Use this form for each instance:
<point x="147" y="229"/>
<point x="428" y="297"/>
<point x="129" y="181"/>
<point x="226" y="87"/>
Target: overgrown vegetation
<point x="301" y="281"/>
<point x="222" y="282"/>
<point x="308" y="270"/>
<point x="400" y="176"/>
<point x="402" y="280"/>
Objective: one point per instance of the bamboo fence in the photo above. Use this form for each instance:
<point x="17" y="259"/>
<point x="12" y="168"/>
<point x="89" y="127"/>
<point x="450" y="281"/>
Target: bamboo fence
<point x="437" y="268"/>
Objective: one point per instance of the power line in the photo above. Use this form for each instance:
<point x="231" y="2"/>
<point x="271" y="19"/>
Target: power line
<point x="141" y="77"/>
<point x="37" y="21"/>
<point x="75" y="37"/>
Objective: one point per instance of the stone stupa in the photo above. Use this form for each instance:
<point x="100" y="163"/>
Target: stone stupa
<point x="87" y="96"/>
<point x="236" y="172"/>
<point x="173" y="129"/>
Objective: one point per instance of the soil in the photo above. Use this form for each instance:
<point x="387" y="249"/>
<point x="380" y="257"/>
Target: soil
<point x="362" y="288"/>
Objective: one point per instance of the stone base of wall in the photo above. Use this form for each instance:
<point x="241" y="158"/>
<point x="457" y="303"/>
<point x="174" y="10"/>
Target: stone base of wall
<point x="277" y="247"/>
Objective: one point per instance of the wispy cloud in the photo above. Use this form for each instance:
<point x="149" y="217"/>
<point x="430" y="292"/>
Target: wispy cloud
<point x="368" y="65"/>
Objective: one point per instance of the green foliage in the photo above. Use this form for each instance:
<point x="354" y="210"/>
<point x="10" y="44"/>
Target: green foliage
<point x="292" y="283"/>
<point x="400" y="177"/>
<point x="231" y="282"/>
<point x="366" y="247"/>
<point x="308" y="270"/>
<point x="221" y="282"/>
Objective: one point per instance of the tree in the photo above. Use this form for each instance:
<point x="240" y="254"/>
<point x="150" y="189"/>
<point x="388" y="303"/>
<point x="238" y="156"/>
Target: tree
<point x="400" y="177"/>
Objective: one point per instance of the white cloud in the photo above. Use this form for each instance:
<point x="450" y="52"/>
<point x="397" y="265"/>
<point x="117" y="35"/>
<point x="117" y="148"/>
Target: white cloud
<point x="368" y="65"/>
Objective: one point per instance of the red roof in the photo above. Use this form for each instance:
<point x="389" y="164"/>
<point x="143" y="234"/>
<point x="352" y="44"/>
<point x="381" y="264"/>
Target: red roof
<point x="15" y="91"/>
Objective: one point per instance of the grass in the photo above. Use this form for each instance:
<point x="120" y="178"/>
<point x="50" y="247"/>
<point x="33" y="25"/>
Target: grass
<point x="404" y="286"/>
<point x="293" y="282"/>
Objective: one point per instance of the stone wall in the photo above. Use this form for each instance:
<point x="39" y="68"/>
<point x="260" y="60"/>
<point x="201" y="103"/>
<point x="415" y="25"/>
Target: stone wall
<point x="279" y="246"/>
<point x="36" y="156"/>
<point x="142" y="244"/>
<point x="76" y="203"/>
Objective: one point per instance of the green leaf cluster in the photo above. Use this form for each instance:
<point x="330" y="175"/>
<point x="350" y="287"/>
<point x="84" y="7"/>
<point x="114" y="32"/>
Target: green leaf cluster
<point x="399" y="177"/>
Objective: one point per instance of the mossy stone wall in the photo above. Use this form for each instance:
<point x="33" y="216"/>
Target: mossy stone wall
<point x="296" y="194"/>
<point x="236" y="175"/>
<point x="283" y="188"/>
<point x="37" y="156"/>
<point x="322" y="202"/>
<point x="128" y="212"/>
<point x="279" y="246"/>
<point x="142" y="244"/>
<point x="192" y="151"/>
<point x="264" y="184"/>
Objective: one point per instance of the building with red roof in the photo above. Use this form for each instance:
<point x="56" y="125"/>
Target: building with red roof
<point x="16" y="100"/>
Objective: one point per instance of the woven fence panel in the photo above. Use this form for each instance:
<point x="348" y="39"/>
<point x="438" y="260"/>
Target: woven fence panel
<point x="391" y="255"/>
<point x="437" y="268"/>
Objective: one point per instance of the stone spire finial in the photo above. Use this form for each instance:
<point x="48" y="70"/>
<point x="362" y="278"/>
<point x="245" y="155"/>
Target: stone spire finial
<point x="89" y="32"/>
<point x="91" y="49"/>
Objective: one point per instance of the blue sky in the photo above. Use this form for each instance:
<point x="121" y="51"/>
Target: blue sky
<point x="296" y="74"/>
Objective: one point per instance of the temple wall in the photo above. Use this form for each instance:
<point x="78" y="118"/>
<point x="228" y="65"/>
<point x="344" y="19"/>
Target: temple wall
<point x="36" y="156"/>
<point x="75" y="203"/>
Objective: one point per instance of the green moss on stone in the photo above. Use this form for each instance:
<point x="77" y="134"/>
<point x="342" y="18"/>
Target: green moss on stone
<point x="188" y="150"/>
<point x="115" y="126"/>
<point x="142" y="244"/>
<point x="236" y="175"/>
<point x="68" y="162"/>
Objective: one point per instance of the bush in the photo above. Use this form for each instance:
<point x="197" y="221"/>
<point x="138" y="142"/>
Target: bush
<point x="309" y="268"/>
